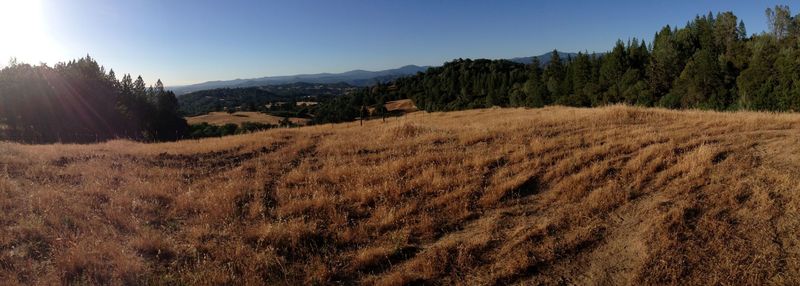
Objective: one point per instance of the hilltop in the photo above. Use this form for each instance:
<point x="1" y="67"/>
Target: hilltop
<point x="612" y="195"/>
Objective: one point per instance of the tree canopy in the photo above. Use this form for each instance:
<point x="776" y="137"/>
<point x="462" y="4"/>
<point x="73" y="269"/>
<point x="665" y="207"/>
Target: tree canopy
<point x="78" y="101"/>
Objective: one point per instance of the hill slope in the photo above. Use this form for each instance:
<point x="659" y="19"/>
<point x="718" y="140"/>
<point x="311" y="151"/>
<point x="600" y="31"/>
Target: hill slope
<point x="614" y="195"/>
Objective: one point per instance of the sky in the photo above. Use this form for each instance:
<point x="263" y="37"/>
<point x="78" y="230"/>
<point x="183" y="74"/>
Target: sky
<point x="192" y="41"/>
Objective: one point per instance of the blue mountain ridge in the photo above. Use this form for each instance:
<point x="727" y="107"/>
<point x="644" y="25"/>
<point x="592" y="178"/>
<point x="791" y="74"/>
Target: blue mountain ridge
<point x="354" y="77"/>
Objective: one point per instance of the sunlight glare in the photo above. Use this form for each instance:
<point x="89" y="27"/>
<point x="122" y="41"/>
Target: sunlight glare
<point x="22" y="26"/>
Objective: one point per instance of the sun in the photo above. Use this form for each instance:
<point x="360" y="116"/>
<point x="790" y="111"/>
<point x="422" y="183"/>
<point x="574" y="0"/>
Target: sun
<point x="24" y="33"/>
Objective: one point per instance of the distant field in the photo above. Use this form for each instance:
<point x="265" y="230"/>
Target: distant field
<point x="553" y="196"/>
<point x="239" y="117"/>
<point x="399" y="107"/>
<point x="306" y="103"/>
<point x="403" y="105"/>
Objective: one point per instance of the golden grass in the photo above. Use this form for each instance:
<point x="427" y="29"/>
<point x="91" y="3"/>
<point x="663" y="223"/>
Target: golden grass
<point x="403" y="105"/>
<point x="239" y="117"/>
<point x="614" y="195"/>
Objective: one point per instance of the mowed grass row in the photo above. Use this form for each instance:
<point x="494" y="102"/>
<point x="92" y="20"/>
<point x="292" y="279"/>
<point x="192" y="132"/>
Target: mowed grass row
<point x="613" y="195"/>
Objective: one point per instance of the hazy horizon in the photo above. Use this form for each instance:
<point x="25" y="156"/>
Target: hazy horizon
<point x="186" y="42"/>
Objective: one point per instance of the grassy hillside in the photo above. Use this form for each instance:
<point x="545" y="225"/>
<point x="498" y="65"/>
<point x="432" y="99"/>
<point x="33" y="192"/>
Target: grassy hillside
<point x="614" y="195"/>
<point x="239" y="117"/>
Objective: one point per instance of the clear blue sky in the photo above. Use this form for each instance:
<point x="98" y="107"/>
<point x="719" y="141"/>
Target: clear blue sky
<point x="185" y="42"/>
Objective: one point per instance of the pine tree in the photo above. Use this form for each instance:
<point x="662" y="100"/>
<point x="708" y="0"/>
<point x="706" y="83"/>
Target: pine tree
<point x="664" y="64"/>
<point x="611" y="72"/>
<point x="700" y="83"/>
<point x="126" y="84"/>
<point x="159" y="87"/>
<point x="553" y="78"/>
<point x="112" y="78"/>
<point x="742" y="30"/>
<point x="139" y="88"/>
<point x="535" y="90"/>
<point x="580" y="71"/>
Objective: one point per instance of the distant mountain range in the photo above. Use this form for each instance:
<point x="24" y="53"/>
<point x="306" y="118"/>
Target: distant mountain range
<point x="543" y="59"/>
<point x="354" y="77"/>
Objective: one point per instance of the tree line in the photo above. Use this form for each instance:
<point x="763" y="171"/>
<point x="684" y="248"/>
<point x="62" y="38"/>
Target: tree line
<point x="78" y="101"/>
<point x="710" y="63"/>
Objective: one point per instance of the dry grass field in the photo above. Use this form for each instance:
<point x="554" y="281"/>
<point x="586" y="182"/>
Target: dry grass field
<point x="402" y="106"/>
<point x="607" y="196"/>
<point x="239" y="117"/>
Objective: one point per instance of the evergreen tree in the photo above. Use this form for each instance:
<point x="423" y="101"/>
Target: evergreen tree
<point x="139" y="88"/>
<point x="553" y="78"/>
<point x="700" y="84"/>
<point x="757" y="84"/>
<point x="742" y="30"/>
<point x="613" y="68"/>
<point x="535" y="90"/>
<point x="580" y="73"/>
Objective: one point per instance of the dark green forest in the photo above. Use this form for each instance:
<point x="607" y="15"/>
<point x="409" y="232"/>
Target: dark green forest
<point x="79" y="101"/>
<point x="224" y="99"/>
<point x="257" y="98"/>
<point x="710" y="63"/>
